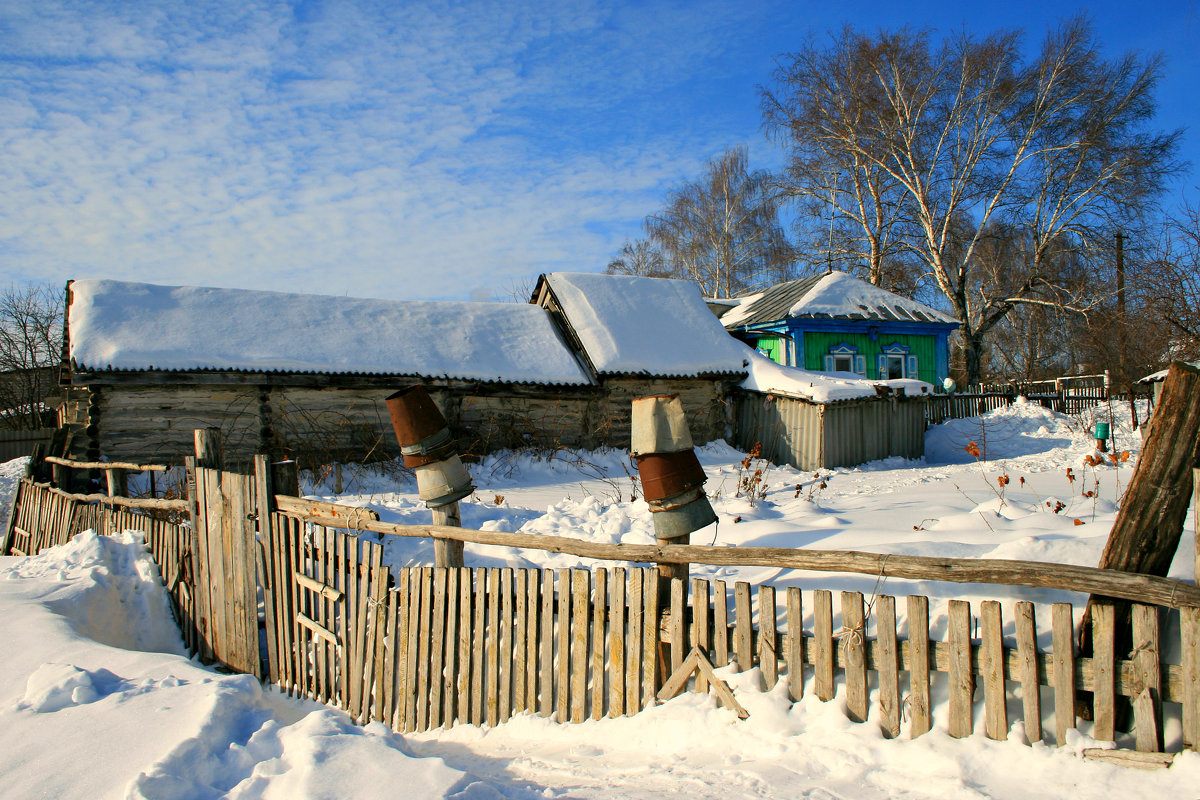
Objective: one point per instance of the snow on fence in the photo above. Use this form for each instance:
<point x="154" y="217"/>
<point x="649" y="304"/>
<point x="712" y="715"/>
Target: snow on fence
<point x="421" y="647"/>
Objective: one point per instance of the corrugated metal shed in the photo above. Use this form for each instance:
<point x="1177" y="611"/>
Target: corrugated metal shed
<point x="810" y="435"/>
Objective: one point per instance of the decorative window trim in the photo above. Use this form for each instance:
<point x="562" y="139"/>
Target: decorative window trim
<point x="858" y="363"/>
<point x="908" y="362"/>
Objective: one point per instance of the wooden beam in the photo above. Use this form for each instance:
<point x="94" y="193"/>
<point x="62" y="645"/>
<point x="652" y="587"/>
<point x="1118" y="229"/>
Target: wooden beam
<point x="128" y="502"/>
<point x="125" y="465"/>
<point x="1067" y="577"/>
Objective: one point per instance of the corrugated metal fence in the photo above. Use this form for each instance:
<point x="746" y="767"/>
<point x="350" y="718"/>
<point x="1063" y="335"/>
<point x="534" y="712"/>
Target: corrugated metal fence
<point x="14" y="444"/>
<point x="810" y="435"/>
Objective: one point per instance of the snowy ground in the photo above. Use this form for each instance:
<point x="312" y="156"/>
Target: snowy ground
<point x="97" y="700"/>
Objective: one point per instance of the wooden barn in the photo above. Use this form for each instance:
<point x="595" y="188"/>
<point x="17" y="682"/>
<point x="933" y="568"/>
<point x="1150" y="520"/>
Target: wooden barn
<point x="306" y="375"/>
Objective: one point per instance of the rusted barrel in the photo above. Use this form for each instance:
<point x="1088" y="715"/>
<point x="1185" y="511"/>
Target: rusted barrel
<point x="427" y="447"/>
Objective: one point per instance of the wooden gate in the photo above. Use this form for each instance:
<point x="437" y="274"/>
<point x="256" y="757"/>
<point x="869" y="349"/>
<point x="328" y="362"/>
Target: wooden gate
<point x="226" y="566"/>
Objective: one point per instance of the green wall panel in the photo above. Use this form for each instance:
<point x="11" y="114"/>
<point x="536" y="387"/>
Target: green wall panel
<point x="818" y="343"/>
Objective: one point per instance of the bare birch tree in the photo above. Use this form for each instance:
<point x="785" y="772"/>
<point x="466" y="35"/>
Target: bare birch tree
<point x="965" y="136"/>
<point x="640" y="257"/>
<point x="31" y="331"/>
<point x="723" y="230"/>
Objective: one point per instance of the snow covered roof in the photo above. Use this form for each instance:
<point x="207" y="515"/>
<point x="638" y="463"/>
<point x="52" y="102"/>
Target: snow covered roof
<point x="1161" y="375"/>
<point x="831" y="295"/>
<point x="645" y="326"/>
<point x="767" y="376"/>
<point x="140" y="326"/>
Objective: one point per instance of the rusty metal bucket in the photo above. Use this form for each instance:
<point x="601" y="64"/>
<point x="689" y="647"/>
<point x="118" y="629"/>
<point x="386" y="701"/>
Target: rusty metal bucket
<point x="415" y="417"/>
<point x="667" y="474"/>
<point x="677" y="516"/>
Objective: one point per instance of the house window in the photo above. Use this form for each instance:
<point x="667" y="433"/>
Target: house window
<point x="896" y="361"/>
<point x="845" y="358"/>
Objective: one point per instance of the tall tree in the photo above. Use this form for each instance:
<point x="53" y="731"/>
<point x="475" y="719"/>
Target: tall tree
<point x="31" y="330"/>
<point x="640" y="257"/>
<point x="963" y="136"/>
<point x="723" y="230"/>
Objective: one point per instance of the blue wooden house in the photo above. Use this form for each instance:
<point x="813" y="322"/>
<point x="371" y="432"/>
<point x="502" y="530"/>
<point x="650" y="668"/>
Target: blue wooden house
<point x="835" y="322"/>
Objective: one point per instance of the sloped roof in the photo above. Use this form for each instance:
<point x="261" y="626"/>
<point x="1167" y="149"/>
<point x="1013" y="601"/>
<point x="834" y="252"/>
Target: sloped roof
<point x="645" y="326"/>
<point x="140" y="326"/>
<point x="833" y="295"/>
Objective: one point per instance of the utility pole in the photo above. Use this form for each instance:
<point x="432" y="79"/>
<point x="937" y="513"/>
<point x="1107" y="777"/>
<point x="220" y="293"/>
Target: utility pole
<point x="1122" y="338"/>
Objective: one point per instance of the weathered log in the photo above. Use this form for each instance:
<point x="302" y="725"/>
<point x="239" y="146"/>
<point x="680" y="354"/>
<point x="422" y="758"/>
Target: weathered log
<point x="125" y="465"/>
<point x="1149" y="524"/>
<point x="1067" y="577"/>
<point x="128" y="502"/>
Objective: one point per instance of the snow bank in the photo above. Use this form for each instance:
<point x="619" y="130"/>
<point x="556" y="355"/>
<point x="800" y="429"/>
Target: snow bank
<point x="645" y="326"/>
<point x="83" y="716"/>
<point x="142" y="326"/>
<point x="820" y="387"/>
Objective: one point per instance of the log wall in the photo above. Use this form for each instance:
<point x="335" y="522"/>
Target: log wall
<point x="322" y="424"/>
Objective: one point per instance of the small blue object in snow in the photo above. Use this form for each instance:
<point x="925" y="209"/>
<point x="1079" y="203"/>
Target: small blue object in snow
<point x="1102" y="430"/>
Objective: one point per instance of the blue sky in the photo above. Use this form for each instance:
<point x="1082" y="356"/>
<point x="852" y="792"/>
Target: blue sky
<point x="447" y="150"/>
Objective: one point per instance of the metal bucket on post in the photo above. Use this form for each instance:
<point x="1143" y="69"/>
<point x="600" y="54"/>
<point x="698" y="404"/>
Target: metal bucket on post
<point x="429" y="450"/>
<point x="671" y="475"/>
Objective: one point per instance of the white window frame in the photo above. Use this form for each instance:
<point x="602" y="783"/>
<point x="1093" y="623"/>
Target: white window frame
<point x="903" y="353"/>
<point x="858" y="363"/>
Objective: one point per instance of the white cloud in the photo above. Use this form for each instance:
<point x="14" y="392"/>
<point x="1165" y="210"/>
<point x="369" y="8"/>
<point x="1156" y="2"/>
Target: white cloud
<point x="402" y="150"/>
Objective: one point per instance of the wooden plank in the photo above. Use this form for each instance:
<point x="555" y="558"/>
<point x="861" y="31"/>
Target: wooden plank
<point x="1028" y="671"/>
<point x="355" y="600"/>
<point x="1104" y="687"/>
<point x="317" y="629"/>
<point x="854" y="655"/>
<point x="580" y="592"/>
<point x="267" y="577"/>
<point x="403" y="685"/>
<point x="795" y="643"/>
<point x="823" y="643"/>
<point x="323" y="589"/>
<point x="323" y="573"/>
<point x="743" y="630"/>
<point x="720" y="624"/>
<point x="492" y="680"/>
<point x="390" y="660"/>
<point x="345" y="550"/>
<point x="768" y="657"/>
<point x="1189" y="629"/>
<point x="563" y="677"/>
<point x="349" y="516"/>
<point x="462" y="688"/>
<point x="1147" y="714"/>
<point x="887" y="662"/>
<point x="424" y="629"/>
<point x="298" y="654"/>
<point x="534" y="589"/>
<point x="599" y="650"/>
<point x="676" y="624"/>
<point x="701" y="637"/>
<point x="991" y="658"/>
<point x="373" y="708"/>
<point x="437" y="647"/>
<point x="650" y="579"/>
<point x="520" y="638"/>
<point x="633" y="642"/>
<point x="478" y="665"/>
<point x="506" y="643"/>
<point x="413" y="653"/>
<point x="616" y="641"/>
<point x="1063" y="644"/>
<point x="546" y="645"/>
<point x="962" y="682"/>
<point x="1130" y="758"/>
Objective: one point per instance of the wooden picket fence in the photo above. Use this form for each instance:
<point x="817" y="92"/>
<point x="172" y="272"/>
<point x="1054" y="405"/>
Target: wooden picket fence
<point x="421" y="647"/>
